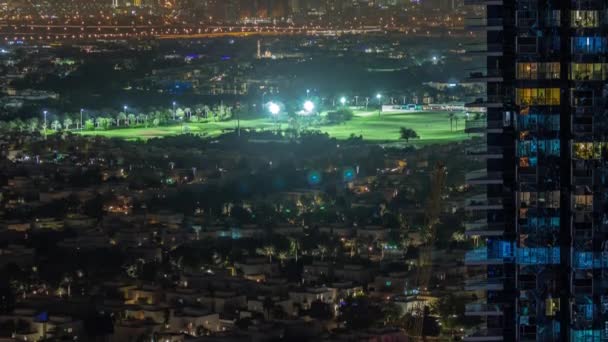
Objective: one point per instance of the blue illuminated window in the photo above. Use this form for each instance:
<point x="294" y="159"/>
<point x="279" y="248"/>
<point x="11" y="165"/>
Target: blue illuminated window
<point x="587" y="335"/>
<point x="535" y="256"/>
<point x="589" y="45"/>
<point x="583" y="260"/>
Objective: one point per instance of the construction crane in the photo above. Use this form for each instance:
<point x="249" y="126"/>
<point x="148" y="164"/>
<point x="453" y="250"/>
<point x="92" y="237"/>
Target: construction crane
<point x="425" y="258"/>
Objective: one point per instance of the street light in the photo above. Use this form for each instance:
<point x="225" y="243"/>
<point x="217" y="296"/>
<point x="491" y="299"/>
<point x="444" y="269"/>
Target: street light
<point x="343" y="100"/>
<point x="44" y="113"/>
<point x="309" y="106"/>
<point x="81" y="110"/>
<point x="379" y="97"/>
<point x="174" y="113"/>
<point x="274" y="109"/>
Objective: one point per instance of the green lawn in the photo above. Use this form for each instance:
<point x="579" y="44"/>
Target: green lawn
<point x="433" y="127"/>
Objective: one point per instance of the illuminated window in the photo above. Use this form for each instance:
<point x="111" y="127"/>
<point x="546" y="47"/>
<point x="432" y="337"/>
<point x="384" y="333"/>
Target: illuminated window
<point x="586" y="150"/>
<point x="588" y="71"/>
<point x="584" y="19"/>
<point x="583" y="202"/>
<point x="527" y="71"/>
<point x="523" y="213"/>
<point x="589" y="44"/>
<point x="552" y="306"/>
<point x="535" y="71"/>
<point x="527" y="199"/>
<point x="537" y="97"/>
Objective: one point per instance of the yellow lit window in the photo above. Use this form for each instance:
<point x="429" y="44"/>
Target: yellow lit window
<point x="537" y="97"/>
<point x="551" y="306"/>
<point x="527" y="71"/>
<point x="584" y="19"/>
<point x="583" y="202"/>
<point x="585" y="151"/>
<point x="588" y="71"/>
<point x="535" y="71"/>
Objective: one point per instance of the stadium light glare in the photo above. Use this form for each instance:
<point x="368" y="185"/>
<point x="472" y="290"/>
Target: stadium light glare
<point x="309" y="106"/>
<point x="274" y="108"/>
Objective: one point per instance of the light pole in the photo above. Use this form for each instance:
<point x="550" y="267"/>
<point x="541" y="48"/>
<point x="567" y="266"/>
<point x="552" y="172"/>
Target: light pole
<point x="379" y="97"/>
<point x="343" y="101"/>
<point x="81" y="110"/>
<point x="44" y="113"/>
<point x="307" y="93"/>
<point x="274" y="110"/>
<point x="356" y="100"/>
<point x="174" y="113"/>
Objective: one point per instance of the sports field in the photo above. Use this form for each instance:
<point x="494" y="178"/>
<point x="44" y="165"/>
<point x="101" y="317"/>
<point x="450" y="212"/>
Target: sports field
<point x="432" y="127"/>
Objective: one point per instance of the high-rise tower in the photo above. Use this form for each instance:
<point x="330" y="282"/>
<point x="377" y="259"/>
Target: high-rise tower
<point x="541" y="266"/>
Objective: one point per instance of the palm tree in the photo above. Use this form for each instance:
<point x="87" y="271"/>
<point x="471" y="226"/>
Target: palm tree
<point x="282" y="256"/>
<point x="143" y="118"/>
<point x="56" y="125"/>
<point x="322" y="249"/>
<point x="120" y="117"/>
<point x="67" y="122"/>
<point x="179" y="113"/>
<point x="132" y="119"/>
<point x="19" y="125"/>
<point x="32" y="124"/>
<point x="451" y="117"/>
<point x="268" y="251"/>
<point x="294" y="246"/>
<point x="89" y="123"/>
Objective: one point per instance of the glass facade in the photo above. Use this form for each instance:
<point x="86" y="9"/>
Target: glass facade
<point x="554" y="67"/>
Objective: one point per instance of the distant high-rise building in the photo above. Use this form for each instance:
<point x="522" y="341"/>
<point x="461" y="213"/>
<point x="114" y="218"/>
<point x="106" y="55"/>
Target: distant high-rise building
<point x="541" y="219"/>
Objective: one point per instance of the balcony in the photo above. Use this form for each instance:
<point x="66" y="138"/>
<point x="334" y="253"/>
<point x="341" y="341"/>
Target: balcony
<point x="489" y="102"/>
<point x="582" y="177"/>
<point x="483" y="2"/>
<point x="483" y="228"/>
<point x="484" y="24"/>
<point x="482" y="203"/>
<point x="482" y="309"/>
<point x="484" y="335"/>
<point x="484" y="152"/>
<point x="491" y="50"/>
<point x="582" y="129"/>
<point x="480" y="256"/>
<point x="583" y="102"/>
<point x="483" y="177"/>
<point x="483" y="283"/>
<point x="489" y="76"/>
<point x="483" y="126"/>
